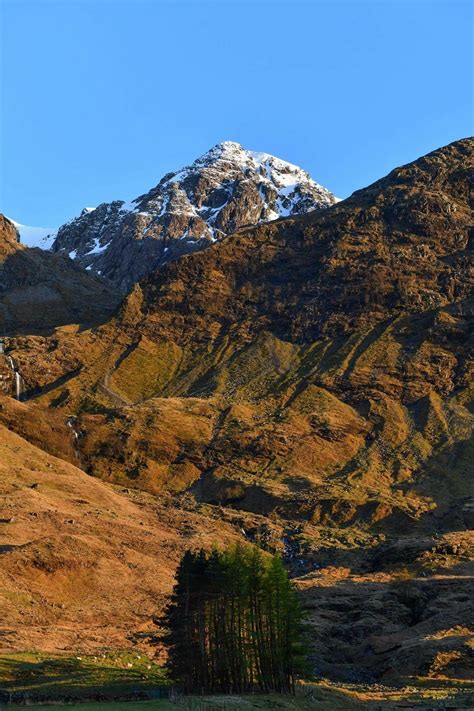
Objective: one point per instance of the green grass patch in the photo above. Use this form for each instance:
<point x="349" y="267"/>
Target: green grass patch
<point x="158" y="704"/>
<point x="267" y="702"/>
<point x="79" y="676"/>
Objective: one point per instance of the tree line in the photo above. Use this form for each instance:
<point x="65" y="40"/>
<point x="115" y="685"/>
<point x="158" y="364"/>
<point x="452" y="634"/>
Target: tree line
<point x="234" y="623"/>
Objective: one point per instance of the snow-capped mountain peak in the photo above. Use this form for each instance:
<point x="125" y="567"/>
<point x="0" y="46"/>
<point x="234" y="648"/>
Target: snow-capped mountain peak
<point x="222" y="190"/>
<point x="229" y="157"/>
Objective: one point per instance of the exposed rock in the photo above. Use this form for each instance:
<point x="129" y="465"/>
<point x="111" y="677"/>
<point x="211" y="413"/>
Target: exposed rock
<point x="390" y="629"/>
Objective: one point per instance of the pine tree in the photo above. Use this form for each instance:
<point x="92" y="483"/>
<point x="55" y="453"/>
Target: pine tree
<point x="234" y="623"/>
<point x="179" y="624"/>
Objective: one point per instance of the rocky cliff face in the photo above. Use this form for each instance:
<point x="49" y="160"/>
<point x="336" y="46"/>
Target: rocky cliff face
<point x="224" y="189"/>
<point x="9" y="237"/>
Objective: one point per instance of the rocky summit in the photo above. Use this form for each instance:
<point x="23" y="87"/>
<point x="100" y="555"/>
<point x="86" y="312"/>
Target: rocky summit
<point x="223" y="190"/>
<point x="304" y="383"/>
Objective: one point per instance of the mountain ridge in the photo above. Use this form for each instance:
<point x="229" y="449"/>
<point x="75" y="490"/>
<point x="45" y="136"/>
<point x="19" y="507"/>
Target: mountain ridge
<point x="326" y="253"/>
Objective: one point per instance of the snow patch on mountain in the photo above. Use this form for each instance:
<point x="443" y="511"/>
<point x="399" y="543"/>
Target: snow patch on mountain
<point x="42" y="237"/>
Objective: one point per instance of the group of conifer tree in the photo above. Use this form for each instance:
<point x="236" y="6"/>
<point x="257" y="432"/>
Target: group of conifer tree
<point x="234" y="623"/>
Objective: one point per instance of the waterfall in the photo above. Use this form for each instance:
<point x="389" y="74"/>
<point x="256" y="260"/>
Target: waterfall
<point x="18" y="380"/>
<point x="18" y="385"/>
<point x="72" y="424"/>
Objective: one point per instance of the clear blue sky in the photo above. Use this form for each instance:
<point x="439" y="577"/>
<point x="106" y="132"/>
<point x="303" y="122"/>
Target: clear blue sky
<point x="100" y="98"/>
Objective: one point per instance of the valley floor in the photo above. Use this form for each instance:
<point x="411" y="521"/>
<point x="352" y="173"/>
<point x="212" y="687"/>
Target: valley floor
<point x="121" y="679"/>
<point x="322" y="698"/>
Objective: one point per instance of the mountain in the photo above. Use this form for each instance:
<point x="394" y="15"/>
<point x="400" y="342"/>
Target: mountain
<point x="324" y="353"/>
<point x="224" y="189"/>
<point x="40" y="290"/>
<point x="306" y="382"/>
<point x="74" y="548"/>
<point x="402" y="245"/>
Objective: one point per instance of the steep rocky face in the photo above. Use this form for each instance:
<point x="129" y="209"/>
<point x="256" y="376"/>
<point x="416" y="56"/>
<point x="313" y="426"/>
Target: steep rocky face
<point x="40" y="290"/>
<point x="224" y="189"/>
<point x="387" y="627"/>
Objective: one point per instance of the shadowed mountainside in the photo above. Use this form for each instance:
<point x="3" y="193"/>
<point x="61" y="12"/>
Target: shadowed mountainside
<point x="40" y="290"/>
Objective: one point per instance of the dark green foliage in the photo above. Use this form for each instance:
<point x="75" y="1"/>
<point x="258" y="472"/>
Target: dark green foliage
<point x="234" y="623"/>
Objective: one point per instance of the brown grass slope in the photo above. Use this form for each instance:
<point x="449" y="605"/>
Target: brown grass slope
<point x="83" y="566"/>
<point x="86" y="568"/>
